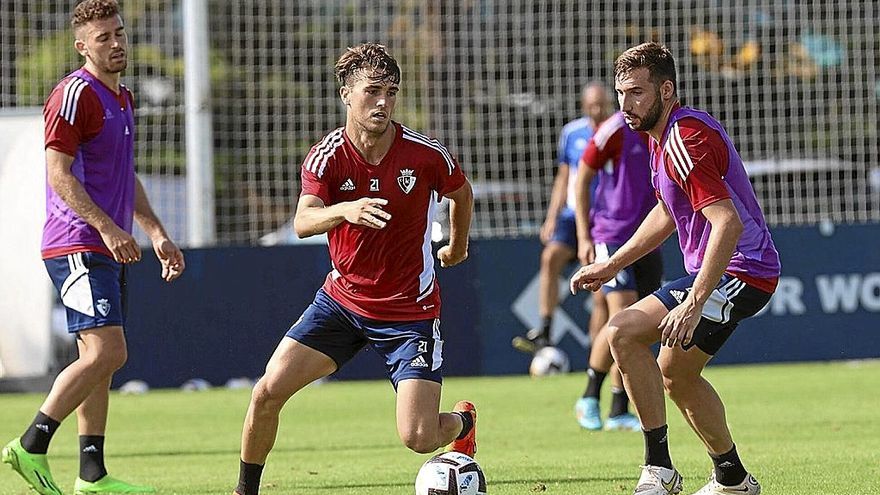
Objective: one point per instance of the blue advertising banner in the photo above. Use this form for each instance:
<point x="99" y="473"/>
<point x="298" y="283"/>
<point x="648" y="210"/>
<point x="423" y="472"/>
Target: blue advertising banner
<point x="224" y="317"/>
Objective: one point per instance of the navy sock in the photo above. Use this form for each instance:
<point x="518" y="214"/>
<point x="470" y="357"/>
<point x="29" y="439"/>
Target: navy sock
<point x="729" y="470"/>
<point x="249" y="478"/>
<point x="657" y="447"/>
<point x="594" y="383"/>
<point x="91" y="457"/>
<point x="38" y="435"/>
<point x="619" y="402"/>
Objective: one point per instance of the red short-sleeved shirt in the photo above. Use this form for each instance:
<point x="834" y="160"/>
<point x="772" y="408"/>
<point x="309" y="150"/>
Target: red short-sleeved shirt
<point x="385" y="274"/>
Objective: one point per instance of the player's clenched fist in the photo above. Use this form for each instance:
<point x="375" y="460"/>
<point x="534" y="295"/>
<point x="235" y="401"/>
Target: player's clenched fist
<point x="368" y="212"/>
<point x="451" y="257"/>
<point x="591" y="277"/>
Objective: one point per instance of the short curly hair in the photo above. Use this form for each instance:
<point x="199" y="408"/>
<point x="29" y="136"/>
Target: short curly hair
<point x="367" y="58"/>
<point x="653" y="56"/>
<point x="91" y="10"/>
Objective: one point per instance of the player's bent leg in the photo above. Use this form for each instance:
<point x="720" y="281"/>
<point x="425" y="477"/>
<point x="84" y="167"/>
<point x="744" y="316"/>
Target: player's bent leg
<point x="694" y="395"/>
<point x="704" y="411"/>
<point x="420" y="425"/>
<point x="291" y="367"/>
<point x="102" y="351"/>
<point x="631" y="333"/>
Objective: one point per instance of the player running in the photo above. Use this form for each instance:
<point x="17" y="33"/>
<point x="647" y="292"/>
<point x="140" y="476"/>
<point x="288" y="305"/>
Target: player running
<point x="372" y="186"/>
<point x="705" y="194"/>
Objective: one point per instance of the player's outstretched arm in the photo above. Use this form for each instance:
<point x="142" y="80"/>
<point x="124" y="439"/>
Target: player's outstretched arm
<point x="170" y="256"/>
<point x="461" y="210"/>
<point x="655" y="228"/>
<point x="313" y="217"/>
<point x="120" y="243"/>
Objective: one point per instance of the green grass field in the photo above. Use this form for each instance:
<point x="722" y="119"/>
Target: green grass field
<point x="802" y="429"/>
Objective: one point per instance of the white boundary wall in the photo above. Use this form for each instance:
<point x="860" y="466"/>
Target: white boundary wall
<point x="26" y="293"/>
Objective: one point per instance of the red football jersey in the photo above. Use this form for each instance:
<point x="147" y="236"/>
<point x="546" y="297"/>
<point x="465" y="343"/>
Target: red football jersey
<point x="385" y="274"/>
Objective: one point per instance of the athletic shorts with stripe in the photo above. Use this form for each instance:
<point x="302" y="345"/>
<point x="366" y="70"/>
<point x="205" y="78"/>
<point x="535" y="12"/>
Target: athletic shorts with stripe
<point x="411" y="349"/>
<point x="643" y="276"/>
<point x="92" y="289"/>
<point x="731" y="302"/>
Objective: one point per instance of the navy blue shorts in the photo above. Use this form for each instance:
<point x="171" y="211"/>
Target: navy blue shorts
<point x="731" y="302"/>
<point x="643" y="276"/>
<point x="566" y="229"/>
<point x="92" y="289"/>
<point x="411" y="349"/>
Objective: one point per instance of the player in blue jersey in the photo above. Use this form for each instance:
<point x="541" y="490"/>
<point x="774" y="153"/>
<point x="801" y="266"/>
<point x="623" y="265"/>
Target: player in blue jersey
<point x="559" y="231"/>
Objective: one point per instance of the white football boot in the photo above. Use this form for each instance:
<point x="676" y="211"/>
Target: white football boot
<point x="749" y="486"/>
<point x="657" y="480"/>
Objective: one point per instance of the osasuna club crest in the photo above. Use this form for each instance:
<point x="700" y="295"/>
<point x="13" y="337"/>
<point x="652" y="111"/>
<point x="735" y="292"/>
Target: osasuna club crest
<point x="103" y="306"/>
<point x="407" y="180"/>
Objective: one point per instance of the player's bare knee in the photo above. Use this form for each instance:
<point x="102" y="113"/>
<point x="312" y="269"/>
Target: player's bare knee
<point x="260" y="395"/>
<point x="618" y="333"/>
<point x="267" y="396"/>
<point x="117" y="358"/>
<point x="547" y="258"/>
<point x="105" y="360"/>
<point x="419" y="441"/>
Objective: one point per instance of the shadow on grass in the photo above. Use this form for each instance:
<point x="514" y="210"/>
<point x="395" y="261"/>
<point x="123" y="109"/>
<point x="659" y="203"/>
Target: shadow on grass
<point x="226" y="452"/>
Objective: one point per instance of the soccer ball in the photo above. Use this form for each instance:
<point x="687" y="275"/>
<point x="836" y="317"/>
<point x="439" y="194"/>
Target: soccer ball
<point x="450" y="473"/>
<point x="549" y="361"/>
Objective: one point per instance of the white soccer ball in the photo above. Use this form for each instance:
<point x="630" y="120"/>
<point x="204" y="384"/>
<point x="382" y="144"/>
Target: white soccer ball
<point x="450" y="473"/>
<point x="549" y="361"/>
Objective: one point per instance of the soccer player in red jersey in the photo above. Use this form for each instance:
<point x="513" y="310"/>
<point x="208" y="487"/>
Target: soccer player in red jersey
<point x="733" y="267"/>
<point x="372" y="186"/>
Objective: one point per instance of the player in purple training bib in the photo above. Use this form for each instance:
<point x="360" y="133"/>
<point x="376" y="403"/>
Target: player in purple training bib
<point x="618" y="157"/>
<point x="92" y="196"/>
<point x="733" y="266"/>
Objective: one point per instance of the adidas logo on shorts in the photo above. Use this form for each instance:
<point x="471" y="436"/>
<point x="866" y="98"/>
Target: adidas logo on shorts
<point x="348" y="185"/>
<point x="679" y="295"/>
<point x="418" y="362"/>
